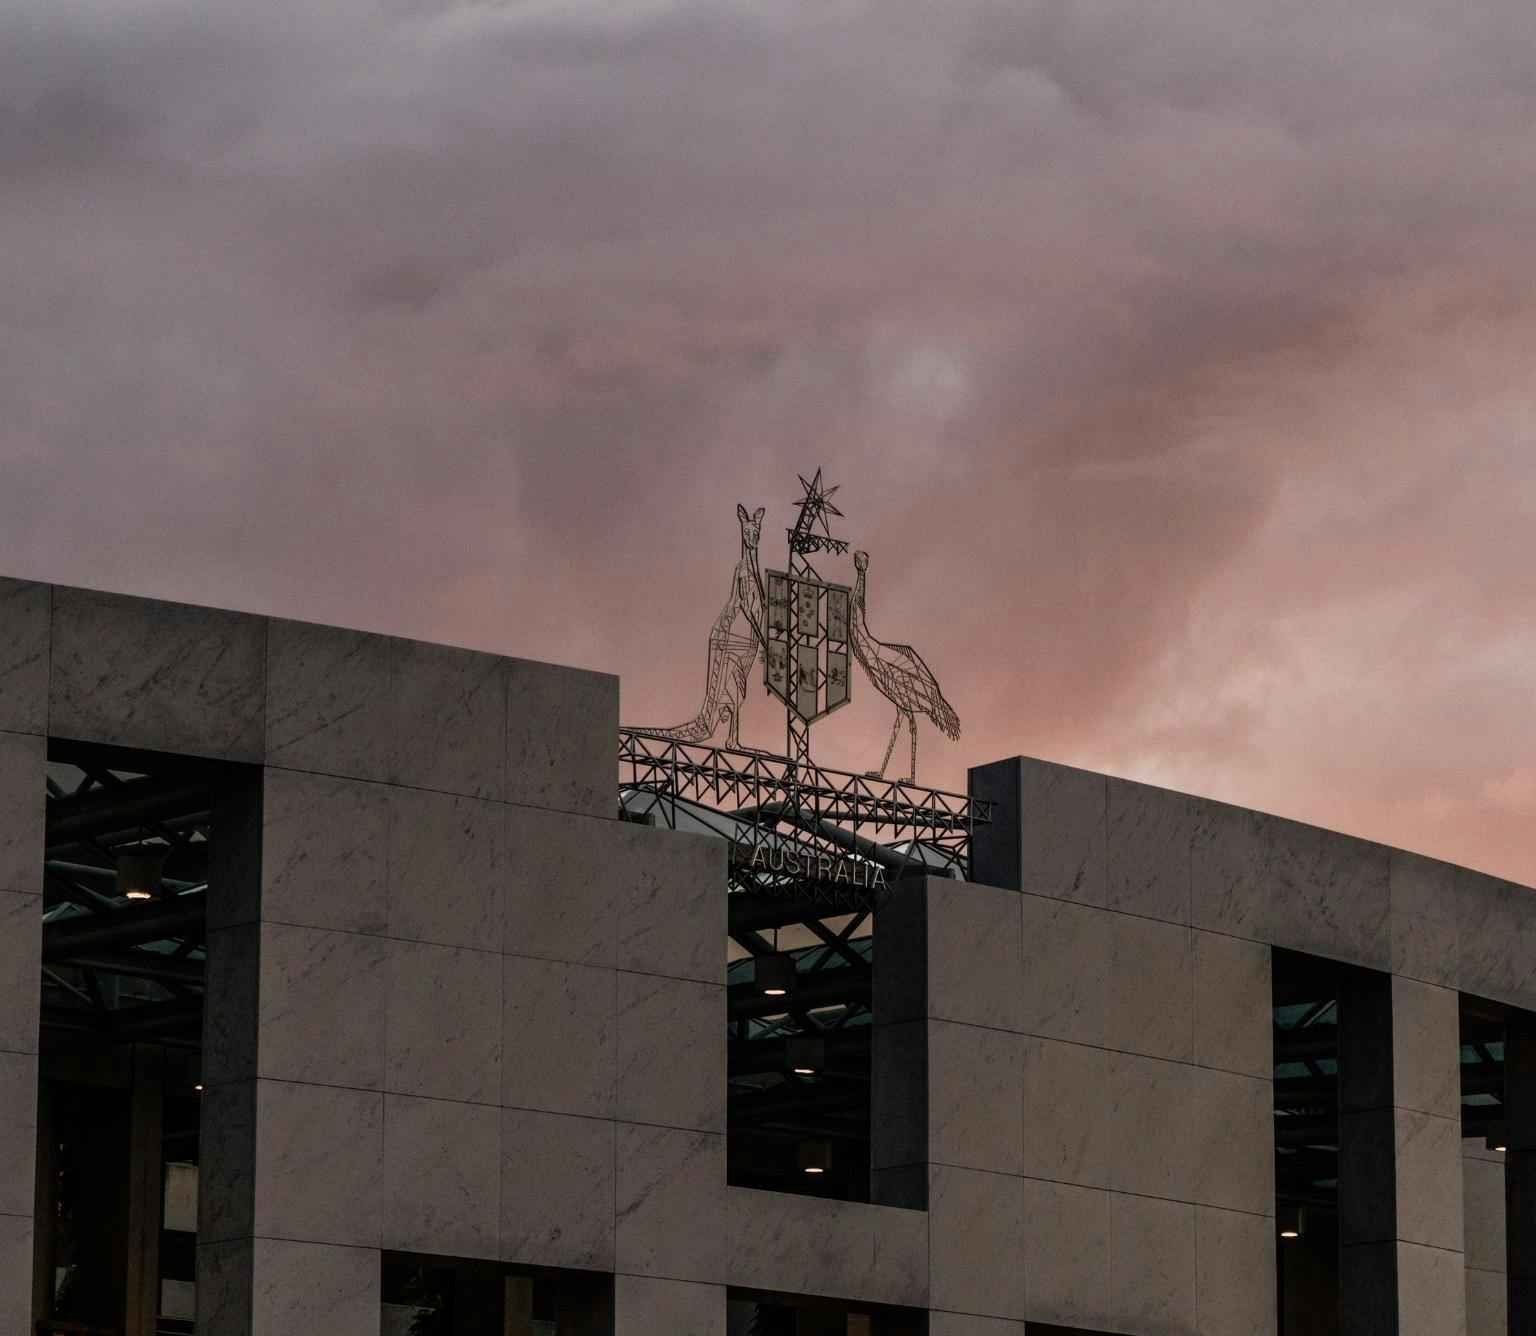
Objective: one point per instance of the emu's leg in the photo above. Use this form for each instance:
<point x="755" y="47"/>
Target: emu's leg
<point x="889" y="748"/>
<point x="912" y="725"/>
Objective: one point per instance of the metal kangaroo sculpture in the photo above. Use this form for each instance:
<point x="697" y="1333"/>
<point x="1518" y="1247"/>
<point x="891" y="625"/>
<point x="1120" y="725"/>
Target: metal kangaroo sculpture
<point x="901" y="676"/>
<point x="735" y="641"/>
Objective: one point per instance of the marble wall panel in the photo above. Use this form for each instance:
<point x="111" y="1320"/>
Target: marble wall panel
<point x="562" y="738"/>
<point x="563" y="886"/>
<point x="974" y="954"/>
<point x="670" y="1205"/>
<point x="1426" y="1048"/>
<point x="810" y="1245"/>
<point x="1062" y="836"/>
<point x="557" y="1037"/>
<point x="995" y="844"/>
<point x="25" y="612"/>
<point x="1331" y="895"/>
<point x="320" y="1164"/>
<point x="1151" y="988"/>
<point x="1497" y="920"/>
<point x="1067" y="1133"/>
<point x="226" y="1202"/>
<point x="1429" y="1172"/>
<point x="1486" y="1300"/>
<point x="1066" y="1255"/>
<point x="442" y="1177"/>
<point x="557" y="1190"/>
<point x="1482" y="1195"/>
<point x="447" y="863"/>
<point x="312" y="1287"/>
<point x="23" y="800"/>
<point x="324" y="851"/>
<point x="1064" y="987"/>
<point x="976" y="1097"/>
<point x="1152" y="1267"/>
<point x="1232" y="1142"/>
<point x="651" y="1306"/>
<point x="1150" y="831"/>
<point x="21" y="949"/>
<point x="18" y="1131"/>
<point x="321" y="1010"/>
<point x="443" y="1026"/>
<point x="167" y="676"/>
<point x="16" y="1272"/>
<point x="1234" y="1018"/>
<point x="224" y="1286"/>
<point x="328" y="699"/>
<point x="448" y="716"/>
<point x="1425" y="929"/>
<point x="1230" y="870"/>
<point x="671" y="1052"/>
<point x="976" y="1242"/>
<point x="232" y="986"/>
<point x="968" y="1324"/>
<point x="670" y="909"/>
<point x="1431" y="1292"/>
<point x="1150" y="1093"/>
<point x="1234" y="1272"/>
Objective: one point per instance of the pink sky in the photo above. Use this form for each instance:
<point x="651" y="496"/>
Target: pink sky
<point x="1174" y="360"/>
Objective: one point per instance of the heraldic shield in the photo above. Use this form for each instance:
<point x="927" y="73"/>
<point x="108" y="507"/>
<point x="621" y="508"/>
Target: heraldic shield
<point x="806" y="639"/>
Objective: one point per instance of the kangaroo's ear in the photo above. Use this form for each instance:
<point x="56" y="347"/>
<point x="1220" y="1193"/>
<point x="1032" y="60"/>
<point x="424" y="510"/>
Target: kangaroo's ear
<point x="757" y="517"/>
<point x="741" y="513"/>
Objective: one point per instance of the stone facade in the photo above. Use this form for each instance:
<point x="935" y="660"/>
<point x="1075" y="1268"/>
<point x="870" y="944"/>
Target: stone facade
<point x="455" y="1006"/>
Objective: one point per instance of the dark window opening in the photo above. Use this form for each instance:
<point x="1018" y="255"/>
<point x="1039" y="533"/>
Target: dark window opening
<point x="129" y="839"/>
<point x="755" y="1313"/>
<point x="1306" y="1039"/>
<point x="798" y="1104"/>
<point x="438" y="1296"/>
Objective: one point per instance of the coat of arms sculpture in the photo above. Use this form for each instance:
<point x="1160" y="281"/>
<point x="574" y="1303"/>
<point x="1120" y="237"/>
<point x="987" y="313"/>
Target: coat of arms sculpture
<point x="808" y="631"/>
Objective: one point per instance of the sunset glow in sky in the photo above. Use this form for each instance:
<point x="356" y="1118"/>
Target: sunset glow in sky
<point x="1175" y="361"/>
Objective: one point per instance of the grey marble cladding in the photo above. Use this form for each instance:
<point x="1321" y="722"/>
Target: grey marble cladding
<point x="16" y="1271"/>
<point x="1149" y="834"/>
<point x="21" y="942"/>
<point x="325" y="851"/>
<point x="23" y="766"/>
<point x="447" y="867"/>
<point x="25" y="611"/>
<point x="329" y="704"/>
<point x="557" y="1190"/>
<point x="562" y="738"/>
<point x="18" y="1131"/>
<point x="442" y="1177"/>
<point x="141" y="673"/>
<point x="443" y="1024"/>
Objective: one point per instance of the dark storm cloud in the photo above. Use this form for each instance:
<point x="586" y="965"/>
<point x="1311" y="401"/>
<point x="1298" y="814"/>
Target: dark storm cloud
<point x="1174" y="359"/>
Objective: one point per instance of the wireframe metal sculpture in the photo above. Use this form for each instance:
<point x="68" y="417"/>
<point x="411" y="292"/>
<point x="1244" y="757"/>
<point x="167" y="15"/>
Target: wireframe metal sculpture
<point x="901" y="676"/>
<point x="735" y="641"/>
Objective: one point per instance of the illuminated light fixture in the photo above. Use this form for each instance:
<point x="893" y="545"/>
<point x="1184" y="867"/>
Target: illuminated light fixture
<point x="1292" y="1221"/>
<point x="198" y="1087"/>
<point x="815" y="1156"/>
<point x="804" y="1054"/>
<point x="774" y="975"/>
<point x="138" y="872"/>
<point x="1497" y="1138"/>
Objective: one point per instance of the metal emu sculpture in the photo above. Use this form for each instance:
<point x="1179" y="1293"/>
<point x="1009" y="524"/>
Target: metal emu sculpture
<point x="735" y="641"/>
<point x="901" y="676"/>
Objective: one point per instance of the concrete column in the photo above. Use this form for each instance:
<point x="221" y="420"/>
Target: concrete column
<point x="1520" y="1175"/>
<point x="141" y="1304"/>
<point x="1401" y="1268"/>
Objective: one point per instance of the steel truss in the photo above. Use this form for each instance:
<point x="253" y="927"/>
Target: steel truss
<point x="768" y="793"/>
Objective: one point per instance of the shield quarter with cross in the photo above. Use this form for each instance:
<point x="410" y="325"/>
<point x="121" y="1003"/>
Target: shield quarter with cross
<point x="806" y="642"/>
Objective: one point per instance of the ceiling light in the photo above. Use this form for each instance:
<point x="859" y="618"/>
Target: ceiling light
<point x="1292" y="1221"/>
<point x="804" y="1054"/>
<point x="138" y="871"/>
<point x="815" y="1156"/>
<point x="774" y="975"/>
<point x="1497" y="1138"/>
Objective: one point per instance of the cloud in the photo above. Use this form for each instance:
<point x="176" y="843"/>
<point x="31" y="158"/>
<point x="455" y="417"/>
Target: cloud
<point x="1174" y="363"/>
